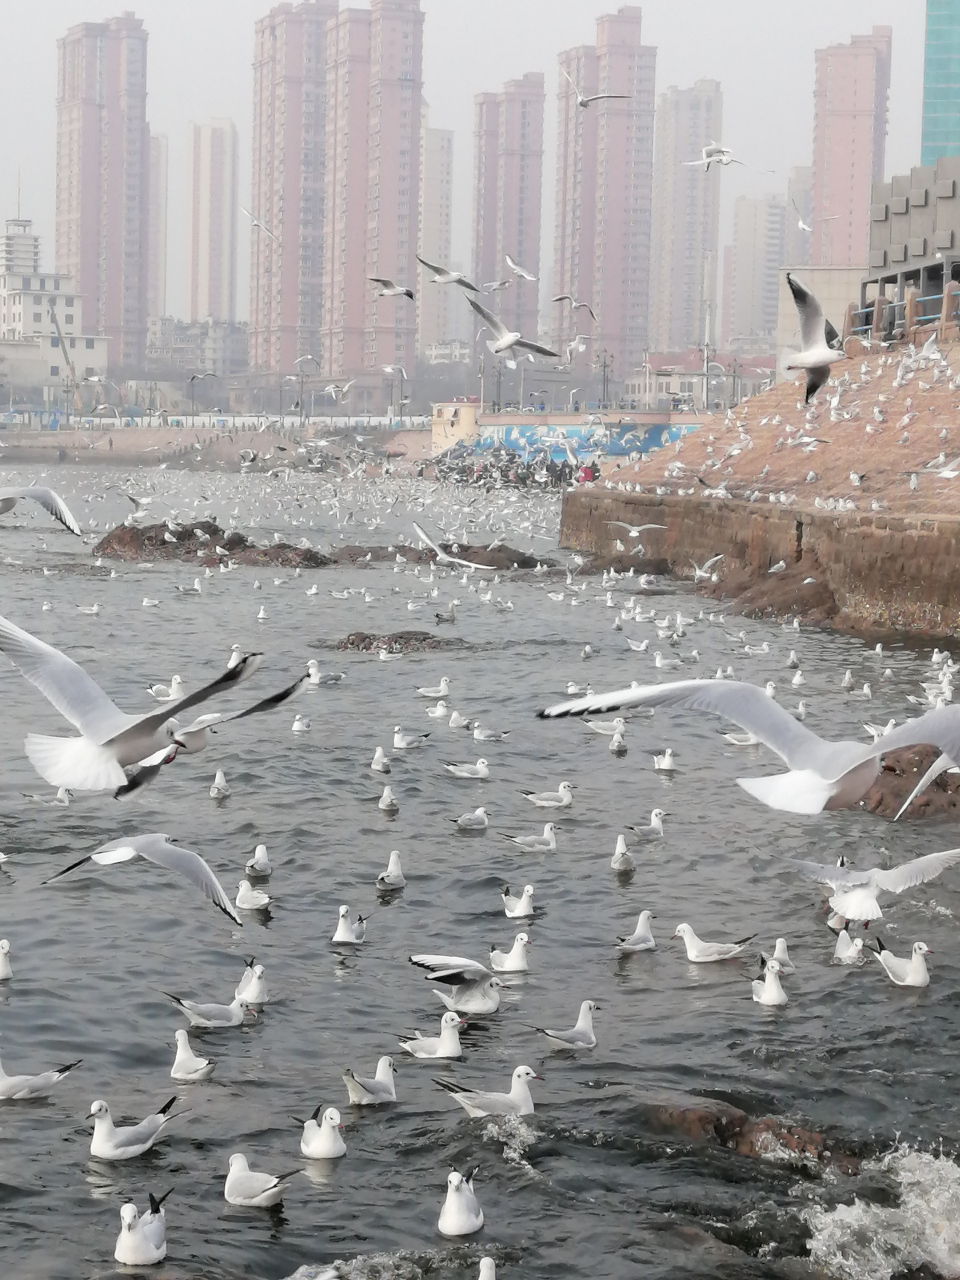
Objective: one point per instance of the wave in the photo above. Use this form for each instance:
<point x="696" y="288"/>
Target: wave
<point x="863" y="1241"/>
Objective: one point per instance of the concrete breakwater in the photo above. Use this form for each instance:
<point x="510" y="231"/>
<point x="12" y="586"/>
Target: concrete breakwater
<point x="853" y="571"/>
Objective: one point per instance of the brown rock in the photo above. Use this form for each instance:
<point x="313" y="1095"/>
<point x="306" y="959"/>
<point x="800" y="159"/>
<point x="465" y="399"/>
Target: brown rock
<point x="901" y="772"/>
<point x="148" y="542"/>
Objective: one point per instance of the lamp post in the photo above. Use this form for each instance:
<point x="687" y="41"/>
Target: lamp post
<point x="300" y="360"/>
<point x="194" y="379"/>
<point x="401" y="372"/>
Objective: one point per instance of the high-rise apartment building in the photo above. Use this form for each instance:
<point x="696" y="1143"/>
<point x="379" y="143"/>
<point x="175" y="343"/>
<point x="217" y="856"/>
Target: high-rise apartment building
<point x="686" y="219"/>
<point x="752" y="273"/>
<point x="436" y="206"/>
<point x="849" y="140"/>
<point x="508" y="182"/>
<point x="289" y="156"/>
<point x="103" y="172"/>
<point x="212" y="202"/>
<point x="157" y="264"/>
<point x="796" y="251"/>
<point x="941" y="82"/>
<point x="374" y="72"/>
<point x="604" y="179"/>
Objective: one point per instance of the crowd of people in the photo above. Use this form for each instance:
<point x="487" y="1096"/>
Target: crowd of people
<point x="505" y="467"/>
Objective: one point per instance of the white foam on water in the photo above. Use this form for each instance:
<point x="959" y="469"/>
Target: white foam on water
<point x="865" y="1241"/>
<point x="517" y="1137"/>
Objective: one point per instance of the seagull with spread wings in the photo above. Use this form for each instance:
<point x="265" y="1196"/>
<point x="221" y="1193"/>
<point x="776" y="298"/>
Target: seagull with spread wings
<point x="390" y="290"/>
<point x="517" y="270"/>
<point x="442" y="275"/>
<point x="584" y="100"/>
<point x="47" y="499"/>
<point x="821" y="345"/>
<point x="506" y="342"/>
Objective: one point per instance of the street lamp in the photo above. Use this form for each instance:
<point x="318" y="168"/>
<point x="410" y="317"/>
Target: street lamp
<point x="299" y="360"/>
<point x="401" y="371"/>
<point x="194" y="379"/>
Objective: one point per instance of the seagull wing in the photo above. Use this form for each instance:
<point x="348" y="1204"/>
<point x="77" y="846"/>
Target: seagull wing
<point x="156" y="848"/>
<point x="601" y="97"/>
<point x="387" y="284"/>
<point x="265" y="704"/>
<point x="937" y="728"/>
<point x="835" y="877"/>
<point x="50" y="501"/>
<point x="233" y="675"/>
<point x="745" y="704"/>
<point x="75" y="695"/>
<point x="442" y="555"/>
<point x="497" y="327"/>
<point x="432" y="266"/>
<point x="896" y="879"/>
<point x="692" y="163"/>
<point x="593" y="314"/>
<point x="569" y="77"/>
<point x="535" y="346"/>
<point x="565" y="297"/>
<point x="812" y="323"/>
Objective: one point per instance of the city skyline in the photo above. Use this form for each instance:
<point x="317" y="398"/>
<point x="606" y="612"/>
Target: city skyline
<point x="679" y="47"/>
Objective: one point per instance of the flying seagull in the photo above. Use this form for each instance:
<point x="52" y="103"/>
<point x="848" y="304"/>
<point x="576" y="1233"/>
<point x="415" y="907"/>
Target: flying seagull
<point x="390" y="290"/>
<point x="504" y="340"/>
<point x="820" y="343"/>
<point x="49" y="500"/>
<point x="158" y="848"/>
<point x="110" y="740"/>
<point x="517" y="270"/>
<point x="855" y="893"/>
<point x="584" y="100"/>
<point x="822" y="775"/>
<point x="255" y="222"/>
<point x="442" y="275"/>
<point x="803" y="226"/>
<point x="568" y="297"/>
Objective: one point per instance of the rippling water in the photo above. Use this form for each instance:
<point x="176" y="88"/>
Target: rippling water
<point x="586" y="1186"/>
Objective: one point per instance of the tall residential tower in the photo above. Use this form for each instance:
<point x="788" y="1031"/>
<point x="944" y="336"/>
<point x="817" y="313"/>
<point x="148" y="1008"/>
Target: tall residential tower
<point x="436" y="204"/>
<point x="686" y="219"/>
<point x="103" y="173"/>
<point x="212" y="202"/>
<point x="849" y="141"/>
<point x="603" y="192"/>
<point x="941" y="82"/>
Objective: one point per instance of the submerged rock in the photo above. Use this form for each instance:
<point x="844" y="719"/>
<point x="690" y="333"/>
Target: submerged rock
<point x="399" y="642"/>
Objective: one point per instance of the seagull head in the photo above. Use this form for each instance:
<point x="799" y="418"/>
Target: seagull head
<point x="98" y="1109"/>
<point x="129" y="1217"/>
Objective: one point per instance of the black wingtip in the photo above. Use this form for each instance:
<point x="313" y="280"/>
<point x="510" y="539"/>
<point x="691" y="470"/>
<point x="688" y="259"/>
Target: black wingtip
<point x="69" y="1066"/>
<point x="166" y="1106"/>
<point x="156" y="1202"/>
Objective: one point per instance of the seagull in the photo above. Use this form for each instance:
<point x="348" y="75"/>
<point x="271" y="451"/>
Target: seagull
<point x="518" y="1102"/>
<point x="390" y="290"/>
<point x="712" y="153"/>
<point x="820" y="343"/>
<point x="768" y="989"/>
<point x="365" y="1092"/>
<point x="250" y="899"/>
<point x="436" y="691"/>
<point x="124" y="1143"/>
<point x="109" y="739"/>
<point x="546" y="843"/>
<point x="518" y="908"/>
<point x="822" y="775"/>
<point x="506" y="340"/>
<point x="575" y="305"/>
<point x="476" y="821"/>
<point x="20" y="1087"/>
<point x="188" y="1065"/>
<point x="847" y="951"/>
<point x="622" y="859"/>
<point x="905" y="973"/>
<point x="562" y="798"/>
<point x="700" y="952"/>
<point x="380" y="762"/>
<point x="514" y="960"/>
<point x="479" y="770"/>
<point x="642" y="938"/>
<point x="580" y="1036"/>
<point x="212" y="1015"/>
<point x="407" y="741"/>
<point x="607" y="727"/>
<point x="259" y="864"/>
<point x="460" y="1215"/>
<point x="322" y="1141"/>
<point x="517" y="269"/>
<point x="856" y="892"/>
<point x="253" y="1190"/>
<point x="781" y="955"/>
<point x="445" y="1045"/>
<point x="654" y="827"/>
<point x="50" y="501"/>
<point x="171" y="692"/>
<point x="6" y="969"/>
<point x="159" y="849"/>
<point x="348" y="930"/>
<point x="474" y="989"/>
<point x="441" y="275"/>
<point x="255" y="222"/>
<point x="252" y="986"/>
<point x="142" y="1241"/>
<point x="392" y="878"/>
<point x="585" y="100"/>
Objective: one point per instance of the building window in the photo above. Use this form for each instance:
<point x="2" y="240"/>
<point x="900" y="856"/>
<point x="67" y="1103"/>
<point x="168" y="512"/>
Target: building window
<point x="89" y="342"/>
<point x="54" y="342"/>
<point x="37" y="317"/>
<point x="68" y="319"/>
<point x="73" y="342"/>
<point x="54" y="371"/>
<point x="68" y="302"/>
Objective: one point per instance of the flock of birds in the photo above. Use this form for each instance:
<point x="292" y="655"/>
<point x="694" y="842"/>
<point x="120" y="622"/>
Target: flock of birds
<point x="117" y="752"/>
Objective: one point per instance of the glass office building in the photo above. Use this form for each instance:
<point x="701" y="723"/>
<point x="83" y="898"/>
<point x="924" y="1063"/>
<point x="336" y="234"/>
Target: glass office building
<point x="941" y="82"/>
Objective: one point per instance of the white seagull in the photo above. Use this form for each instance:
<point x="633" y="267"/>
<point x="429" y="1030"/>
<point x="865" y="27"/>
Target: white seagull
<point x="584" y="100"/>
<point x="188" y="1065"/>
<point x="158" y="849"/>
<point x="821" y="345"/>
<point x="642" y="938"/>
<point x="580" y="1035"/>
<point x="855" y="893"/>
<point x="517" y="270"/>
<point x="700" y="952"/>
<point x="514" y="960"/>
<point x="461" y="1214"/>
<point x="473" y="988"/>
<point x="366" y="1092"/>
<point x="38" y="1086"/>
<point x="142" y="1241"/>
<point x="506" y="340"/>
<point x="767" y="990"/>
<point x="323" y="1141"/>
<point x="517" y="908"/>
<point x="518" y="1102"/>
<point x="562" y="798"/>
<point x="905" y="973"/>
<point x="390" y="290"/>
<point x="124" y="1142"/>
<point x="253" y="1190"/>
<point x="441" y="275"/>
<point x="47" y="499"/>
<point x="545" y="843"/>
<point x="445" y="1045"/>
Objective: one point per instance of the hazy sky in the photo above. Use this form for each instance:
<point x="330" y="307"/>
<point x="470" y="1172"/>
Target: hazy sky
<point x="199" y="67"/>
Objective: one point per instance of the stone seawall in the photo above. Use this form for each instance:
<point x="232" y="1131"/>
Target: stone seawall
<point x="870" y="571"/>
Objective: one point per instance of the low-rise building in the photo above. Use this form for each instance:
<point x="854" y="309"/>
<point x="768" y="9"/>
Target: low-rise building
<point x="177" y="349"/>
